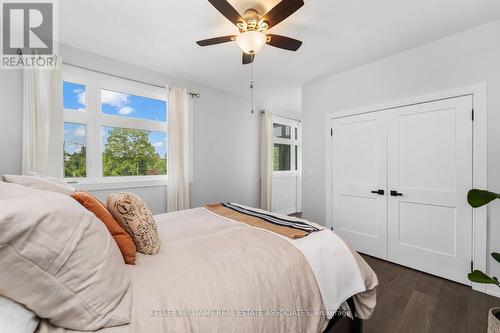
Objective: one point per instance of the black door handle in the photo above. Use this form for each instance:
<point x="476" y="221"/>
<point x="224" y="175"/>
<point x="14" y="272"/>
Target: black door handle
<point x="396" y="194"/>
<point x="379" y="192"/>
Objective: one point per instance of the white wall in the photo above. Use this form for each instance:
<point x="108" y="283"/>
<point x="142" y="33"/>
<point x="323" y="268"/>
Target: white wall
<point x="11" y="117"/>
<point x="467" y="58"/>
<point x="285" y="193"/>
<point x="226" y="134"/>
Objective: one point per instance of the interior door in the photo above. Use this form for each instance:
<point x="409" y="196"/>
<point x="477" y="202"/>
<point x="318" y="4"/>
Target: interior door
<point x="429" y="175"/>
<point x="360" y="179"/>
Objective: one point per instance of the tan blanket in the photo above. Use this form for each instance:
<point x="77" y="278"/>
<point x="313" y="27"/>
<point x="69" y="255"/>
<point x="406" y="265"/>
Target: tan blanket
<point x="213" y="275"/>
<point x="256" y="222"/>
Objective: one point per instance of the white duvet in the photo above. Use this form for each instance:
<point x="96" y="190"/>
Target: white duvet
<point x="213" y="274"/>
<point x="336" y="270"/>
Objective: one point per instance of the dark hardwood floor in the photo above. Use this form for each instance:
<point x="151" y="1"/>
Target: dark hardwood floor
<point x="411" y="301"/>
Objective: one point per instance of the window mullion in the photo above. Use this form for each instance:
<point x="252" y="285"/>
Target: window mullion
<point x="94" y="137"/>
<point x="283" y="141"/>
<point x="140" y="124"/>
<point x="71" y="116"/>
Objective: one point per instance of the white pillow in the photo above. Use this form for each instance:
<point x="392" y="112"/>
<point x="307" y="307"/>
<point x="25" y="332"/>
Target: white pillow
<point x="54" y="179"/>
<point x="15" y="318"/>
<point x="39" y="183"/>
<point x="59" y="260"/>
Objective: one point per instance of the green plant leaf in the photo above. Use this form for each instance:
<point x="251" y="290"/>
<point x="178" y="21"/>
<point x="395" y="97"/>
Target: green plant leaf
<point x="478" y="198"/>
<point x="496" y="256"/>
<point x="480" y="277"/>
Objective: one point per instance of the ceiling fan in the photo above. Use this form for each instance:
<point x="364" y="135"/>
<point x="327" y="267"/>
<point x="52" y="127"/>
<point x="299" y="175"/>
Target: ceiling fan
<point x="253" y="27"/>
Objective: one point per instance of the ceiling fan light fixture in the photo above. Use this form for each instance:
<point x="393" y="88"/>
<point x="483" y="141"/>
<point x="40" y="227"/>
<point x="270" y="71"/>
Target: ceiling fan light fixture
<point x="251" y="42"/>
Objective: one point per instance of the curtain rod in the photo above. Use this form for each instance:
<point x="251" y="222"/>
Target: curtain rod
<point x="192" y="94"/>
<point x="277" y="115"/>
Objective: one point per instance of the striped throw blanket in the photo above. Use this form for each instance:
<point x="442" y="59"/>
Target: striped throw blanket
<point x="271" y="218"/>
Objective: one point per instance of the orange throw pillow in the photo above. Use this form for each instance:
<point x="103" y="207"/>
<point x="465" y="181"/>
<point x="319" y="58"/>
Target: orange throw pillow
<point x="121" y="237"/>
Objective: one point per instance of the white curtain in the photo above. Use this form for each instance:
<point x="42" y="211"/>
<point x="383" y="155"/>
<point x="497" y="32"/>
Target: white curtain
<point x="42" y="122"/>
<point x="178" y="149"/>
<point x="266" y="160"/>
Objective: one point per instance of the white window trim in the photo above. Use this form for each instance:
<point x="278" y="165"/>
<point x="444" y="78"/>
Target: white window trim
<point x="120" y="183"/>
<point x="292" y="142"/>
<point x="94" y="120"/>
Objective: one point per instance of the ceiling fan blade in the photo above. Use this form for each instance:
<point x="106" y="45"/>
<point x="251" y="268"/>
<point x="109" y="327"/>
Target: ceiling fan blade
<point x="281" y="11"/>
<point x="248" y="58"/>
<point x="216" y="40"/>
<point x="227" y="10"/>
<point x="283" y="42"/>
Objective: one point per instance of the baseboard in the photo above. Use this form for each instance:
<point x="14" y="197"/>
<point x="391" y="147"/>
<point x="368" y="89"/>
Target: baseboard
<point x="493" y="290"/>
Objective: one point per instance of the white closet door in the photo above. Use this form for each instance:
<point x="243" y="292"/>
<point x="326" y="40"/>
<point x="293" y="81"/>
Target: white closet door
<point x="430" y="167"/>
<point x="360" y="167"/>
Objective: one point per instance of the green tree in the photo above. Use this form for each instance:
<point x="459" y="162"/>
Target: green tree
<point x="128" y="152"/>
<point x="75" y="164"/>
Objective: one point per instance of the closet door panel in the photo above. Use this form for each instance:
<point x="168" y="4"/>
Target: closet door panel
<point x="430" y="168"/>
<point x="360" y="167"/>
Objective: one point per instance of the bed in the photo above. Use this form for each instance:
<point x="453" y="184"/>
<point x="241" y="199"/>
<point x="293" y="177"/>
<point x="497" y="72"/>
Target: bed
<point x="214" y="274"/>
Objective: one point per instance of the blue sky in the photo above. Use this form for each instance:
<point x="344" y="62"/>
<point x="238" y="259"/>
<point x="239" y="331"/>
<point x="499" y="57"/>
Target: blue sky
<point x="116" y="103"/>
<point x="74" y="137"/>
<point x="157" y="139"/>
<point x="74" y="96"/>
<point x="132" y="106"/>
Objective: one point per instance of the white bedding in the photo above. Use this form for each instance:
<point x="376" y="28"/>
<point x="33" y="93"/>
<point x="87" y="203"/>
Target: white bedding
<point x="210" y="262"/>
<point x="337" y="274"/>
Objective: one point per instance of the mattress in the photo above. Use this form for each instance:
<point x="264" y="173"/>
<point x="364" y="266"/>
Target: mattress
<point x="217" y="275"/>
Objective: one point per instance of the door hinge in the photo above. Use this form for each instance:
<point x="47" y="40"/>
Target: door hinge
<point x="331" y="132"/>
<point x="472" y="114"/>
<point x="472" y="266"/>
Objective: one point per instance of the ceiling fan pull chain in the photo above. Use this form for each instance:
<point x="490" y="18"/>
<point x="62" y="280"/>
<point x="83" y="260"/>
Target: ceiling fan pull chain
<point x="252" y="85"/>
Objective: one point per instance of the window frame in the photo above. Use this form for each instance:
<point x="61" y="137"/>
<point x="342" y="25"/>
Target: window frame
<point x="294" y="124"/>
<point x="94" y="120"/>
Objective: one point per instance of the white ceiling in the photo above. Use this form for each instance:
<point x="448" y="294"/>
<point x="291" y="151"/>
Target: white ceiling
<point x="337" y="35"/>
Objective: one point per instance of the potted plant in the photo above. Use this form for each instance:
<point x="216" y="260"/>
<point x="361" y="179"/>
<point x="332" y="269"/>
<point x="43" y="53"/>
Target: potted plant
<point x="479" y="198"/>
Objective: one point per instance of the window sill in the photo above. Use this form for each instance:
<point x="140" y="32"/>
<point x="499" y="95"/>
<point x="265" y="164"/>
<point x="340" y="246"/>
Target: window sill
<point x="286" y="173"/>
<point x="117" y="184"/>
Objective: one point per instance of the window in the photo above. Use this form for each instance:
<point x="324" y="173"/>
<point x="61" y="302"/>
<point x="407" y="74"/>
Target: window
<point x="75" y="155"/>
<point x="120" y="130"/>
<point x="296" y="156"/>
<point x="282" y="156"/>
<point x="124" y="105"/>
<point x="132" y="152"/>
<point x="281" y="131"/>
<point x="74" y="96"/>
<point x="286" y="148"/>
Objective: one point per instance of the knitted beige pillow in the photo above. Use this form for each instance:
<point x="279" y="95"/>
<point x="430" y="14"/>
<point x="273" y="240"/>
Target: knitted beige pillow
<point x="133" y="215"/>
